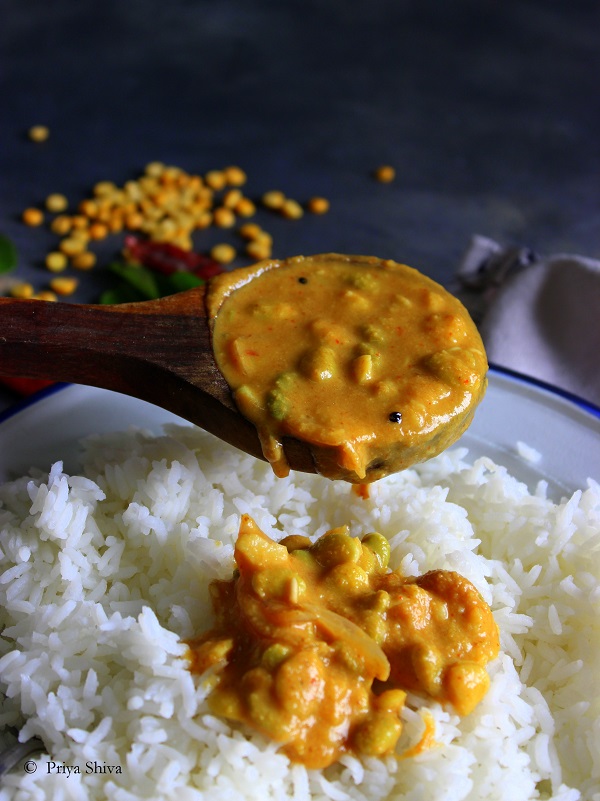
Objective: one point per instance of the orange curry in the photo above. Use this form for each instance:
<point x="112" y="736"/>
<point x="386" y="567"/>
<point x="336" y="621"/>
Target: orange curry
<point x="316" y="644"/>
<point x="369" y="362"/>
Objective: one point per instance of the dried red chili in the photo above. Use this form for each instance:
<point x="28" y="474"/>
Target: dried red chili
<point x="24" y="386"/>
<point x="166" y="258"/>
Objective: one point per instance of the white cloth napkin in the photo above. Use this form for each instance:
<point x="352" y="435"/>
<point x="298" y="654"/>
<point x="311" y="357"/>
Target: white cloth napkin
<point x="537" y="315"/>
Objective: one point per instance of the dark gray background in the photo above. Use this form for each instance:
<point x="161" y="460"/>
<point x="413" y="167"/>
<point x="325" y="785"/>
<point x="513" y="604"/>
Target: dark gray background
<point x="488" y="110"/>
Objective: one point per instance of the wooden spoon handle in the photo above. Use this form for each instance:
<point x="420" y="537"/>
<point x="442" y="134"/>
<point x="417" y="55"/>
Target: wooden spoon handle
<point x="159" y="351"/>
<point x="106" y="346"/>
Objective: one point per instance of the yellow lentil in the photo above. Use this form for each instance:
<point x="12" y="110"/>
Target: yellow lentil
<point x="292" y="209"/>
<point x="64" y="285"/>
<point x="223" y="253"/>
<point x="164" y="231"/>
<point x="79" y="221"/>
<point x="115" y="223"/>
<point x="204" y="219"/>
<point x="231" y="198"/>
<point x="33" y="217"/>
<point x="56" y="203"/>
<point x="38" y="133"/>
<point x="104" y="188"/>
<point x="22" y="290"/>
<point x="258" y="249"/>
<point x="98" y="230"/>
<point x="134" y="221"/>
<point x="318" y="205"/>
<point x="235" y="176"/>
<point x="184" y="222"/>
<point x="215" y="179"/>
<point x="264" y="237"/>
<point x="81" y="234"/>
<point x="274" y="199"/>
<point x="88" y="208"/>
<point x="56" y="262"/>
<point x="71" y="246"/>
<point x="83" y="261"/>
<point x="155" y="168"/>
<point x="45" y="294"/>
<point x="195" y="183"/>
<point x="245" y="207"/>
<point x="385" y="174"/>
<point x="250" y="230"/>
<point x="104" y="213"/>
<point x="61" y="225"/>
<point x="184" y="242"/>
<point x="223" y="217"/>
<point x="171" y="174"/>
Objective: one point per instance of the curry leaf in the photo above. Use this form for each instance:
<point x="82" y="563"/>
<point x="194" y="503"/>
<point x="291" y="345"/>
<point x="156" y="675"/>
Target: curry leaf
<point x="123" y="293"/>
<point x="140" y="283"/>
<point x="8" y="255"/>
<point x="178" y="282"/>
<point x="138" y="278"/>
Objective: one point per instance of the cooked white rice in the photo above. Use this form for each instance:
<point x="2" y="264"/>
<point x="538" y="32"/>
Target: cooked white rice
<point x="103" y="575"/>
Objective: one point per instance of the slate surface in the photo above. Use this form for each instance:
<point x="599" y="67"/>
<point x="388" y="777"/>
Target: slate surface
<point x="488" y="111"/>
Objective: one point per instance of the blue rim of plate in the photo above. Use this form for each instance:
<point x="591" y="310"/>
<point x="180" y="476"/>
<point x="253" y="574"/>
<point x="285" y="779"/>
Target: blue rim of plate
<point x="585" y="405"/>
<point x="31" y="400"/>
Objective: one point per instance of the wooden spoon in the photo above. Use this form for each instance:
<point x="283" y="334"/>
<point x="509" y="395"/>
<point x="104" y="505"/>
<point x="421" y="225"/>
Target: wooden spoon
<point x="159" y="351"/>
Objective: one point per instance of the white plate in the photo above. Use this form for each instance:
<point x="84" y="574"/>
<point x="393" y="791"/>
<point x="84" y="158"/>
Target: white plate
<point x="566" y="433"/>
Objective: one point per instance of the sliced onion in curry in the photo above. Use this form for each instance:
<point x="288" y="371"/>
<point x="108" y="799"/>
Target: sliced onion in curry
<point x="316" y="645"/>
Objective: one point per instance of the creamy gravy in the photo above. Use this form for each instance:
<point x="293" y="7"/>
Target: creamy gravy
<point x="371" y="363"/>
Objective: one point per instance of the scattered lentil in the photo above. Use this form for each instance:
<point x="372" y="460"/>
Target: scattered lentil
<point x="250" y="230"/>
<point x="88" y="208"/>
<point x="84" y="261"/>
<point x="385" y="174"/>
<point x="223" y="253"/>
<point x="61" y="225"/>
<point x="204" y="220"/>
<point x="133" y="221"/>
<point x="98" y="231"/>
<point x="33" y="217"/>
<point x="56" y="203"/>
<point x="71" y="246"/>
<point x="318" y="205"/>
<point x="231" y="198"/>
<point x="245" y="207"/>
<point x="165" y="204"/>
<point x="38" y="133"/>
<point x="215" y="179"/>
<point x="223" y="217"/>
<point x="22" y="290"/>
<point x="258" y="249"/>
<point x="103" y="188"/>
<point x="56" y="262"/>
<point x="235" y="176"/>
<point x="81" y="235"/>
<point x="154" y="168"/>
<point x="79" y="221"/>
<point x="292" y="209"/>
<point x="64" y="285"/>
<point x="274" y="199"/>
<point x="264" y="237"/>
<point x="45" y="294"/>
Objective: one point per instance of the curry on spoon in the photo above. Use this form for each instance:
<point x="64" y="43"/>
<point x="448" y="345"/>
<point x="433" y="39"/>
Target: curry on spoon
<point x="350" y="366"/>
